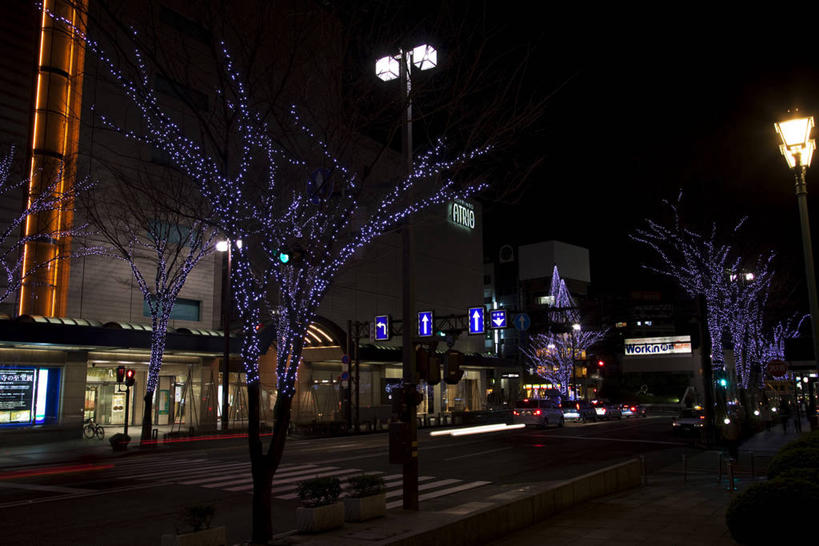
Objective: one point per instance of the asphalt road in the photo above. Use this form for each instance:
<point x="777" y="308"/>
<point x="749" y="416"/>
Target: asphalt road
<point x="135" y="499"/>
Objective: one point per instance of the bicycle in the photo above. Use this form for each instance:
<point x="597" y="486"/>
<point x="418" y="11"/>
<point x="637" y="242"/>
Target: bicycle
<point x="91" y="429"/>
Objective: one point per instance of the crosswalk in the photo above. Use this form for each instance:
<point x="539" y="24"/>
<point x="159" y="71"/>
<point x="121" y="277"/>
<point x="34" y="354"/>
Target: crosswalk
<point x="236" y="477"/>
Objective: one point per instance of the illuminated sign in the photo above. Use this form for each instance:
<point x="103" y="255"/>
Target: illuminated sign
<point x="462" y="213"/>
<point x="670" y="345"/>
<point x="16" y="395"/>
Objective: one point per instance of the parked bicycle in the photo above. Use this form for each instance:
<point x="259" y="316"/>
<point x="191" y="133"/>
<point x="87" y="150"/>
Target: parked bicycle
<point x="91" y="429"/>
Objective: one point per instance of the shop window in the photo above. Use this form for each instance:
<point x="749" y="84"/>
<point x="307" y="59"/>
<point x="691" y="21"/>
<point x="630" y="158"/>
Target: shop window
<point x="183" y="309"/>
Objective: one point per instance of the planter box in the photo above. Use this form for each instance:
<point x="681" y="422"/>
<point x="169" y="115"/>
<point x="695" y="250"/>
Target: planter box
<point x="364" y="508"/>
<point x="319" y="518"/>
<point x="215" y="536"/>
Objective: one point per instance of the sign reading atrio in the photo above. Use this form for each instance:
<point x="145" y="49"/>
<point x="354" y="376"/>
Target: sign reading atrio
<point x="462" y="213"/>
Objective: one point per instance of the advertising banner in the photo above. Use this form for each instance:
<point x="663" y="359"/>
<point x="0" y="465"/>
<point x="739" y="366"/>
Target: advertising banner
<point x="650" y="346"/>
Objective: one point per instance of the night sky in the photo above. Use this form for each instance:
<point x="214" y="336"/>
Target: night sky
<point x="648" y="114"/>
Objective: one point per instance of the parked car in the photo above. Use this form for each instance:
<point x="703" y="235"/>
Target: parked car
<point x="578" y="410"/>
<point x="606" y="410"/>
<point x="633" y="410"/>
<point x="542" y="413"/>
<point x="689" y="420"/>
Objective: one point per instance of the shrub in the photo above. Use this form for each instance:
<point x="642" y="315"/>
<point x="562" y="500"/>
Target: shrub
<point x="810" y="440"/>
<point x="772" y="512"/>
<point x="366" y="485"/>
<point x="198" y="517"/>
<point x="793" y="458"/>
<point x="319" y="491"/>
<point x="807" y="474"/>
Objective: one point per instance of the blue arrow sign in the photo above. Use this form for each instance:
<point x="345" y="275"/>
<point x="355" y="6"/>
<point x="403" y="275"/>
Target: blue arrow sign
<point x="425" y="324"/>
<point x="382" y="328"/>
<point x="475" y="316"/>
<point x="521" y="322"/>
<point x="497" y="319"/>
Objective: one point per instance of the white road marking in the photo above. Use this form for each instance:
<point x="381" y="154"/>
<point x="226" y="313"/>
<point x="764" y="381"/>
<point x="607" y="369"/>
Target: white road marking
<point x="440" y="493"/>
<point x="478" y="453"/>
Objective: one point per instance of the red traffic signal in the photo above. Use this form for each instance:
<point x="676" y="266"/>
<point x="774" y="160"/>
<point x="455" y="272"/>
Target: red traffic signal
<point x="120" y="374"/>
<point x="129" y="377"/>
<point x="600" y="363"/>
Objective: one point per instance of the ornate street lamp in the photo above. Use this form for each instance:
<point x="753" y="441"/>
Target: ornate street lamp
<point x="797" y="147"/>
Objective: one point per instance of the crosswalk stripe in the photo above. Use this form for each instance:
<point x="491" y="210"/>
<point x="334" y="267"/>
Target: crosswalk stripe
<point x="440" y="493"/>
<point x="432" y="485"/>
<point x="182" y="470"/>
<point x="234" y="479"/>
<point x="279" y="484"/>
<point x="400" y="482"/>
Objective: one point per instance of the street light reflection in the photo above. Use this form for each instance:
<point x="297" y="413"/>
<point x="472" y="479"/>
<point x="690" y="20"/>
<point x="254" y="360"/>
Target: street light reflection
<point x="475" y="430"/>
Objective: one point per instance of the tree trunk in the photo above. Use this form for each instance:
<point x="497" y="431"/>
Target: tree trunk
<point x="147" y="418"/>
<point x="264" y="465"/>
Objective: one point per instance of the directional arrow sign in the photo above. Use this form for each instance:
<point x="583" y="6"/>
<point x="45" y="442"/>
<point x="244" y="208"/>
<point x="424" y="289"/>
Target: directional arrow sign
<point x="382" y="328"/>
<point x="476" y="320"/>
<point x="425" y="324"/>
<point x="497" y="319"/>
<point x="521" y="322"/>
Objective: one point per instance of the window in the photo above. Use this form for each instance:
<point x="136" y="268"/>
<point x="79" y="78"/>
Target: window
<point x="174" y="234"/>
<point x="178" y="90"/>
<point x="185" y="26"/>
<point x="183" y="309"/>
<point x="546" y="300"/>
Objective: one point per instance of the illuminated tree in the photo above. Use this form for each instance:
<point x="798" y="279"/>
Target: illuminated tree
<point x="156" y="225"/>
<point x="552" y="355"/>
<point x="12" y="245"/>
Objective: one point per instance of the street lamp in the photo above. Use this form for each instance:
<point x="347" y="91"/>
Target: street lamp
<point x="423" y="57"/>
<point x="227" y="303"/>
<point x="575" y="328"/>
<point x="797" y="147"/>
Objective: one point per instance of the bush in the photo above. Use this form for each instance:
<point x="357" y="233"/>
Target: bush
<point x="366" y="485"/>
<point x="810" y="440"/>
<point x="792" y="459"/>
<point x="772" y="512"/>
<point x="319" y="491"/>
<point x="807" y="474"/>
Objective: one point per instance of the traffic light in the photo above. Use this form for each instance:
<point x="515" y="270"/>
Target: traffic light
<point x="421" y="363"/>
<point x="291" y="254"/>
<point x="129" y="377"/>
<point x="120" y="374"/>
<point x="723" y="382"/>
<point x="434" y="376"/>
<point x="452" y="363"/>
<point x="601" y="363"/>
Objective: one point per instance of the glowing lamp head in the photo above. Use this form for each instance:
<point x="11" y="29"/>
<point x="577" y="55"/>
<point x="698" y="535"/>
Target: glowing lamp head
<point x="386" y="68"/>
<point x="795" y="142"/>
<point x="726" y="421"/>
<point x="222" y="246"/>
<point x="576" y="327"/>
<point x="424" y="57"/>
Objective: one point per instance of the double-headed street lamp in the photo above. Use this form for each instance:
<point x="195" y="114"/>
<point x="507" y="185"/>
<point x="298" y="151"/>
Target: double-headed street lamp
<point x="797" y="147"/>
<point x="575" y="328"/>
<point x="423" y="57"/>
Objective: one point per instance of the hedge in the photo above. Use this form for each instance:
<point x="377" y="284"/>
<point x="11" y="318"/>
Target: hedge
<point x="793" y="458"/>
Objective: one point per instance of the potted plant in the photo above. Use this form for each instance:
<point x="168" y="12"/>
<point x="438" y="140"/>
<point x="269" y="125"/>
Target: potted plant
<point x="197" y="519"/>
<point x="320" y="509"/>
<point x="365" y="498"/>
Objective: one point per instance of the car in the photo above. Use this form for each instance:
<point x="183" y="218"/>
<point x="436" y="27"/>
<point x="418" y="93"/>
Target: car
<point x="633" y="410"/>
<point x="689" y="420"/>
<point x="578" y="410"/>
<point x="606" y="410"/>
<point x="538" y="412"/>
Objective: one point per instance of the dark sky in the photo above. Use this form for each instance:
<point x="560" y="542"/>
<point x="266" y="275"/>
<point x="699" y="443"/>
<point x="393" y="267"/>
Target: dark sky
<point x="649" y="114"/>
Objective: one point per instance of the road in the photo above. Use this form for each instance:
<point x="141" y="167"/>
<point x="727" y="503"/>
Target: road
<point x="134" y="499"/>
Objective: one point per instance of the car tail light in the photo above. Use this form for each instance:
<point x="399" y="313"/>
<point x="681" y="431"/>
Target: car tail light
<point x="633" y="408"/>
<point x="537" y="412"/>
<point x="515" y="413"/>
<point x="702" y="417"/>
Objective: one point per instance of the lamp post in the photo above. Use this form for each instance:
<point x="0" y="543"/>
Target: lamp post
<point x="423" y="57"/>
<point x="227" y="303"/>
<point x="797" y="147"/>
<point x="575" y="328"/>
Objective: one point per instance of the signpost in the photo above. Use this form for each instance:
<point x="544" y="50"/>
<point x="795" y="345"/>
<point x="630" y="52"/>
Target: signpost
<point x="476" y="320"/>
<point x="497" y="319"/>
<point x="382" y="328"/>
<point x="521" y="322"/>
<point x="426" y="324"/>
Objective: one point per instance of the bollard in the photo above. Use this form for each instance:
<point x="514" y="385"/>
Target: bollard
<point x="730" y="476"/>
<point x="685" y="468"/>
<point x="753" y="467"/>
<point x="719" y="479"/>
<point x="643" y="469"/>
<point x="155" y="434"/>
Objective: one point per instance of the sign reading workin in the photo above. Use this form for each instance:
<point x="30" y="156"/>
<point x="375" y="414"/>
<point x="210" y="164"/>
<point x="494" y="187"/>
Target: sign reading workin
<point x="462" y="213"/>
<point x="658" y="345"/>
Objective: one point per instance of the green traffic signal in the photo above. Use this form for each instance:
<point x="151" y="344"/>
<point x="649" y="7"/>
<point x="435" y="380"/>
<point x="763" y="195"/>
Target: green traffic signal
<point x="284" y="257"/>
<point x="723" y="382"/>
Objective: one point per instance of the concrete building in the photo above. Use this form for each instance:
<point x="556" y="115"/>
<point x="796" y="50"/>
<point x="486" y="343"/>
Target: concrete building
<point x="63" y="338"/>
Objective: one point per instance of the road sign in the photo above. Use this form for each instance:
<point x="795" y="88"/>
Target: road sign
<point x="521" y="322"/>
<point x="476" y="324"/>
<point x="497" y="318"/>
<point x="382" y="328"/>
<point x="426" y="324"/>
<point x="777" y="368"/>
